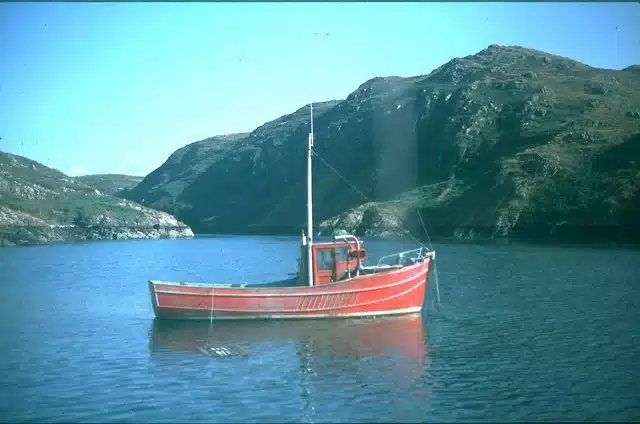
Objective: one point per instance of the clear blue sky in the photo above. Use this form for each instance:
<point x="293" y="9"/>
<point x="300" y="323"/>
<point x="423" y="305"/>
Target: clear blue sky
<point x="116" y="88"/>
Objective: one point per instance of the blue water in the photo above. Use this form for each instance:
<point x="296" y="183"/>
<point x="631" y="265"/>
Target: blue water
<point x="523" y="334"/>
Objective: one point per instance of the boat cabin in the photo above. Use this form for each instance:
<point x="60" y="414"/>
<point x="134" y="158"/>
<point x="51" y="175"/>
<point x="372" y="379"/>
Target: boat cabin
<point x="332" y="261"/>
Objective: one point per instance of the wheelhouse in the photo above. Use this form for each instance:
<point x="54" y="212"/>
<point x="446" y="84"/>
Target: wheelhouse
<point x="333" y="260"/>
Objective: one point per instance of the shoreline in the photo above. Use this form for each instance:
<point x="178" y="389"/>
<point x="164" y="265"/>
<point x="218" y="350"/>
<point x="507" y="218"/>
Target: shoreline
<point x="38" y="235"/>
<point x="436" y="237"/>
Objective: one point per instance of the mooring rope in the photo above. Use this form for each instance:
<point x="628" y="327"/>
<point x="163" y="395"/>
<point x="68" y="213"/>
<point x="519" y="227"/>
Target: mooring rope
<point x="435" y="263"/>
<point x="211" y="317"/>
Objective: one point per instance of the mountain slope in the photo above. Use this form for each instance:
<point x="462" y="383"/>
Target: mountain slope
<point x="42" y="205"/>
<point x="110" y="183"/>
<point x="509" y="141"/>
<point x="165" y="185"/>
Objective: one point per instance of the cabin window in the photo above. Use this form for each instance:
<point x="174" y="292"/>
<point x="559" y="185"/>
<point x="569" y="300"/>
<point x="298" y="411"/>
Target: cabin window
<point x="342" y="254"/>
<point x="325" y="260"/>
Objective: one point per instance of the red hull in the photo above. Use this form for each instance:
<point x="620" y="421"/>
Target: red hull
<point x="400" y="291"/>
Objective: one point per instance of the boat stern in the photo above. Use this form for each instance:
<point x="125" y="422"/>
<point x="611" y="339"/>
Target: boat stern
<point x="154" y="297"/>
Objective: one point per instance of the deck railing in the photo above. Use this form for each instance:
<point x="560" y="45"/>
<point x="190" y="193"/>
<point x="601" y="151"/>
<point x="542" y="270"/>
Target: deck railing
<point x="401" y="258"/>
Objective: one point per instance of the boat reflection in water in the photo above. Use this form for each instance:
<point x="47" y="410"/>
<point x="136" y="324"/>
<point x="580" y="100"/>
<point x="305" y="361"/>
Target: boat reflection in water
<point x="305" y="370"/>
<point x="401" y="337"/>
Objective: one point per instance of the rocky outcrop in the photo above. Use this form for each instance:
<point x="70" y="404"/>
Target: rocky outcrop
<point x="39" y="205"/>
<point x="370" y="220"/>
<point x="507" y="142"/>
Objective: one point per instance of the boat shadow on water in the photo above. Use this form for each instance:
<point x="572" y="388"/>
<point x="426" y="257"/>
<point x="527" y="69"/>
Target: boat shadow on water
<point x="401" y="337"/>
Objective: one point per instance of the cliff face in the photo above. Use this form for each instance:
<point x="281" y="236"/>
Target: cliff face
<point x="41" y="205"/>
<point x="507" y="142"/>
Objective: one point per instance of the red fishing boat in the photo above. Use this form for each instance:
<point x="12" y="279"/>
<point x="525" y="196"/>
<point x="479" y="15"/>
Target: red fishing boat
<point x="332" y="281"/>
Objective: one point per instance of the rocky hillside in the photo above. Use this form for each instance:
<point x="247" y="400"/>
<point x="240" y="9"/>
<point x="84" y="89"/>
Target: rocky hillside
<point x="41" y="205"/>
<point x="165" y="185"/>
<point x="111" y="184"/>
<point x="509" y="142"/>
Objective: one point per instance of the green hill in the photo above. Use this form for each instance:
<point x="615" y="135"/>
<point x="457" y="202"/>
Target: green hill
<point x="42" y="205"/>
<point x="110" y="183"/>
<point x="509" y="142"/>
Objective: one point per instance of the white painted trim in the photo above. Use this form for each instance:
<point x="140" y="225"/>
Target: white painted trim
<point x="411" y="310"/>
<point x="420" y="283"/>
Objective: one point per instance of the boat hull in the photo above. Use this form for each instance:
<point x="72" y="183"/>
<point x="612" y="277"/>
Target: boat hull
<point x="395" y="292"/>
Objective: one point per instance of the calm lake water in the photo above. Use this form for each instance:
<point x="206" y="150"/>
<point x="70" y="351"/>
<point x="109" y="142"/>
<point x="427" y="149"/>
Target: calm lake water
<point x="523" y="333"/>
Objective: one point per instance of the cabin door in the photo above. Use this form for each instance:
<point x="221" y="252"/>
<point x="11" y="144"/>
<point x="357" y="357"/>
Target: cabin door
<point x="324" y="265"/>
<point x="331" y="264"/>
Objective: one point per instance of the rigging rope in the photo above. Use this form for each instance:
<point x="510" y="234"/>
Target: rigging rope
<point x="424" y="227"/>
<point x="369" y="200"/>
<point x="211" y="318"/>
